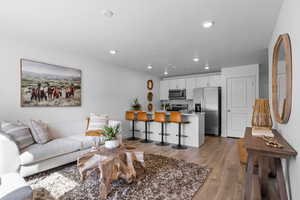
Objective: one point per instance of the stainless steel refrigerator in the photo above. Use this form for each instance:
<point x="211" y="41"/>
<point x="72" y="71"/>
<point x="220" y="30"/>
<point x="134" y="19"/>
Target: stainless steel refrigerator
<point x="210" y="100"/>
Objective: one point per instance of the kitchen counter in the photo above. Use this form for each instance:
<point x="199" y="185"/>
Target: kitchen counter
<point x="183" y="113"/>
<point x="194" y="130"/>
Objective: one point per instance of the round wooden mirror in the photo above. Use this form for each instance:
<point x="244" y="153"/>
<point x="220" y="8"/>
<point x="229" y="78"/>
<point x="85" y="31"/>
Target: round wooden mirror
<point x="150" y="84"/>
<point x="282" y="79"/>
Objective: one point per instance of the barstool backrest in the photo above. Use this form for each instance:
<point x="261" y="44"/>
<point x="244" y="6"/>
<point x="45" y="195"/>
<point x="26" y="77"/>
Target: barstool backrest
<point x="160" y="117"/>
<point x="142" y="116"/>
<point x="129" y="115"/>
<point x="175" y="117"/>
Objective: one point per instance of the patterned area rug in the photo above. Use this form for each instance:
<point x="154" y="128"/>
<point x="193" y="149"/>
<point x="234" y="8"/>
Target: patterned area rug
<point x="165" y="179"/>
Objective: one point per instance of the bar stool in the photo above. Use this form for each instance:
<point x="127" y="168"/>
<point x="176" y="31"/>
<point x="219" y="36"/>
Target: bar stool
<point x="142" y="116"/>
<point x="160" y="117"/>
<point x="176" y="117"/>
<point x="131" y="117"/>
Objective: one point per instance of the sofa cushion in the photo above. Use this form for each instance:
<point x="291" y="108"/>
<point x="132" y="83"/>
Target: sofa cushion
<point x="57" y="147"/>
<point x="86" y="141"/>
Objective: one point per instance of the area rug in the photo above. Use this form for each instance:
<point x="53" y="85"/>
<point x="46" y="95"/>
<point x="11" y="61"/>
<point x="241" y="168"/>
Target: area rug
<point x="165" y="179"/>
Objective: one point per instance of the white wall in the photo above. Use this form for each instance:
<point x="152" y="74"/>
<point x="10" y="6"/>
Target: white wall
<point x="105" y="88"/>
<point x="264" y="77"/>
<point x="288" y="22"/>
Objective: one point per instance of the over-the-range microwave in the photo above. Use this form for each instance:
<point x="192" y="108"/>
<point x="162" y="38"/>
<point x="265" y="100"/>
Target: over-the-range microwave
<point x="177" y="94"/>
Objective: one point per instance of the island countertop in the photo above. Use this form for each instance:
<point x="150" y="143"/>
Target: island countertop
<point x="183" y="113"/>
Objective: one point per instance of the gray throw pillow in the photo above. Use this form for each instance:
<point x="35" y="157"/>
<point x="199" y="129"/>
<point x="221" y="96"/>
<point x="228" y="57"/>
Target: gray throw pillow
<point x="39" y="131"/>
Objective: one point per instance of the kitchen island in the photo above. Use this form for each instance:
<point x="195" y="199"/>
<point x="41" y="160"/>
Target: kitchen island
<point x="193" y="131"/>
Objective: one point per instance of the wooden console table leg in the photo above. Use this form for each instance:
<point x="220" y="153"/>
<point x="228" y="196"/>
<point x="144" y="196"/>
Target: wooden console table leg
<point x="248" y="186"/>
<point x="280" y="179"/>
<point x="263" y="164"/>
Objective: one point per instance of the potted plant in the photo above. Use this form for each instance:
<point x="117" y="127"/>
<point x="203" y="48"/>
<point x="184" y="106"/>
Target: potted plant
<point x="110" y="132"/>
<point x="136" y="105"/>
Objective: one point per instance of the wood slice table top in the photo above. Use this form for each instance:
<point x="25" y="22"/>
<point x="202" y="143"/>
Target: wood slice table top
<point x="112" y="165"/>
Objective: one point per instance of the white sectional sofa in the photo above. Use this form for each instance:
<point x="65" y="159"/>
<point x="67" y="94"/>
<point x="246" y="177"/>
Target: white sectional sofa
<point x="68" y="142"/>
<point x="12" y="185"/>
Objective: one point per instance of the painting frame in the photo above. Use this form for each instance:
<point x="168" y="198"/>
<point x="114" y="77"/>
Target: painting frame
<point x="78" y="84"/>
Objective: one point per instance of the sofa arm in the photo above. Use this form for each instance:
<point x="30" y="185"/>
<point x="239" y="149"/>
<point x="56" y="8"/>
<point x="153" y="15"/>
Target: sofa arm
<point x="9" y="155"/>
<point x="14" y="187"/>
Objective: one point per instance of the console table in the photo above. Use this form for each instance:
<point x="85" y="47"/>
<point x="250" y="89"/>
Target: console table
<point x="268" y="158"/>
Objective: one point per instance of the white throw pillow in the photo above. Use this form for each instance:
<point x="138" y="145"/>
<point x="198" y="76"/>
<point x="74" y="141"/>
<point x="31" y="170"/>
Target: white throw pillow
<point x="18" y="132"/>
<point x="97" y="122"/>
<point x="39" y="131"/>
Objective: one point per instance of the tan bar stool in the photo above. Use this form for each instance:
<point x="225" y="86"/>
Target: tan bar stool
<point x="160" y="117"/>
<point x="131" y="117"/>
<point x="176" y="117"/>
<point x="143" y="116"/>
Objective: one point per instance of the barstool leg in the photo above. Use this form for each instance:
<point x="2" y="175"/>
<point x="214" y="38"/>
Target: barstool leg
<point x="162" y="143"/>
<point x="146" y="134"/>
<point x="179" y="146"/>
<point x="133" y="137"/>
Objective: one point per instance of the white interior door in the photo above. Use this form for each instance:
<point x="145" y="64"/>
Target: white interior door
<point x="241" y="95"/>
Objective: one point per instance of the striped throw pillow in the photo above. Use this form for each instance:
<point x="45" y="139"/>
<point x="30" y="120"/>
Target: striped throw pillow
<point x="19" y="133"/>
<point x="97" y="122"/>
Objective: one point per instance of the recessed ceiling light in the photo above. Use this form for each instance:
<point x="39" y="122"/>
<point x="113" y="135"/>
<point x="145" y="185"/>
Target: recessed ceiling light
<point x="149" y="67"/>
<point x="166" y="73"/>
<point x="208" y="24"/>
<point x="196" y="59"/>
<point x="206" y="67"/>
<point x="108" y="13"/>
<point x="112" y="52"/>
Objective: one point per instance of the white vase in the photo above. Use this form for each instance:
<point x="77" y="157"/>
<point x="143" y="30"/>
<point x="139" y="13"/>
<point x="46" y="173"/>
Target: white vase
<point x="111" y="144"/>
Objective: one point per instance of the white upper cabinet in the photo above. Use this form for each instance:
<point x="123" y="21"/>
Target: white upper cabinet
<point x="181" y="84"/>
<point x="214" y="81"/>
<point x="177" y="84"/>
<point x="172" y="84"/>
<point x="202" y="82"/>
<point x="190" y="86"/>
<point x="164" y="90"/>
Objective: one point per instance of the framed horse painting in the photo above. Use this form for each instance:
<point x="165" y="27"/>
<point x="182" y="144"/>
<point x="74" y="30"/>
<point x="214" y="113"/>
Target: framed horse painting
<point x="47" y="85"/>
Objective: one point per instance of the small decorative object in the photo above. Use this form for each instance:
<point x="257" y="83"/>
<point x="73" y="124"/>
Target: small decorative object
<point x="272" y="142"/>
<point x="150" y="96"/>
<point x="150" y="84"/>
<point x="110" y="132"/>
<point x="136" y="105"/>
<point x="262" y="131"/>
<point x="150" y="107"/>
<point x="282" y="79"/>
<point x="261" y="114"/>
<point x="49" y="85"/>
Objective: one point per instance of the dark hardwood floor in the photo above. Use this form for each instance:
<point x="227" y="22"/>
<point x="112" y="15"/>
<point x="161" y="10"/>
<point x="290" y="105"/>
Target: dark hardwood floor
<point x="226" y="180"/>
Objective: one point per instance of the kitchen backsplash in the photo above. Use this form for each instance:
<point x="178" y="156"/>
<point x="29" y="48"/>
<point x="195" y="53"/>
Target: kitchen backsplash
<point x="190" y="103"/>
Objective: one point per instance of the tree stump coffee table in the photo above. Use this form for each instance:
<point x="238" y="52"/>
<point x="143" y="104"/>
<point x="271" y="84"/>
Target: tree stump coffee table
<point x="112" y="164"/>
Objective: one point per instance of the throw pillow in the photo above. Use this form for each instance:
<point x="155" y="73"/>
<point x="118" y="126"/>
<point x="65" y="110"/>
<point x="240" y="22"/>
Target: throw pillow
<point x="96" y="124"/>
<point x="19" y="133"/>
<point x="39" y="131"/>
